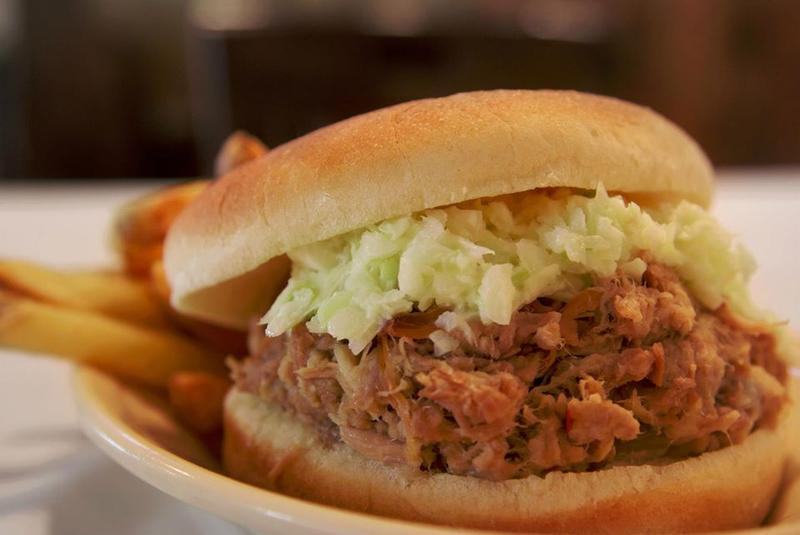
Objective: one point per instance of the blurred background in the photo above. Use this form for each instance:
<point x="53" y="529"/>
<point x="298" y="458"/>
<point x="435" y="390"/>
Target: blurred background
<point x="149" y="88"/>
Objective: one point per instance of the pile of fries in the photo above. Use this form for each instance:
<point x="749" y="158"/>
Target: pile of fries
<point x="121" y="321"/>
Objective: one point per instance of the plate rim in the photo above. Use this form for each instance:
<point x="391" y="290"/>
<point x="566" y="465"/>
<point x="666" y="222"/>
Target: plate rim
<point x="243" y="504"/>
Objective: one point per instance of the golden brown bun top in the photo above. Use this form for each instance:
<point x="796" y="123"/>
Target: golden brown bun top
<point x="412" y="157"/>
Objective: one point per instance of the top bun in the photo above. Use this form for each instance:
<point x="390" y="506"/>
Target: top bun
<point x="404" y="159"/>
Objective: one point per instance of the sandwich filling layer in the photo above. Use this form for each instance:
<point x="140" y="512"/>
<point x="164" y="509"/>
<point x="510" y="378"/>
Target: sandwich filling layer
<point x="500" y="339"/>
<point x="489" y="257"/>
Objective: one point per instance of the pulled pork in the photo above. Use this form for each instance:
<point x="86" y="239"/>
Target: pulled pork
<point x="627" y="371"/>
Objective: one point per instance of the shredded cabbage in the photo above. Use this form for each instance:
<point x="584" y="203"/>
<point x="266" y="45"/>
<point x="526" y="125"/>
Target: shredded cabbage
<point x="490" y="257"/>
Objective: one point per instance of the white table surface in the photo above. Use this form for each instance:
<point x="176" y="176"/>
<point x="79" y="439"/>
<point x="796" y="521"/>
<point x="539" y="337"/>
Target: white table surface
<point x="52" y="481"/>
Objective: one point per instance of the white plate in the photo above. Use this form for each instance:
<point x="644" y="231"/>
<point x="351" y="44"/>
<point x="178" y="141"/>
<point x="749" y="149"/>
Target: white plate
<point x="135" y="430"/>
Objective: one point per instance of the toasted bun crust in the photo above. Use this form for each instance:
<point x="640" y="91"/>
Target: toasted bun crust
<point x="729" y="488"/>
<point x="415" y="156"/>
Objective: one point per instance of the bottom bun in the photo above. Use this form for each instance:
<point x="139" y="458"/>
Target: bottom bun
<point x="729" y="488"/>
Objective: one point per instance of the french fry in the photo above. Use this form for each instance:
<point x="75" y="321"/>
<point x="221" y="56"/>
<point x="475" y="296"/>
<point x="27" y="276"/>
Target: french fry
<point x="158" y="281"/>
<point x="197" y="398"/>
<point x="146" y="355"/>
<point x="239" y="148"/>
<point x="112" y="294"/>
<point x="141" y="225"/>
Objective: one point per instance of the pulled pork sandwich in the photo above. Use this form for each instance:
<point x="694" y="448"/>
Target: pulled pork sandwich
<point x="505" y="310"/>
